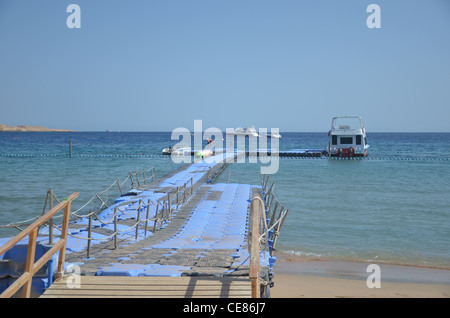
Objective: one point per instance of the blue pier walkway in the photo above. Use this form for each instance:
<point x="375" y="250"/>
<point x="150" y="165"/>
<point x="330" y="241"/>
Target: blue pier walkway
<point x="181" y="225"/>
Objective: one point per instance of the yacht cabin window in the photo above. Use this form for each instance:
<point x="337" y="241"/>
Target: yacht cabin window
<point x="334" y="140"/>
<point x="346" y="140"/>
<point x="358" y="139"/>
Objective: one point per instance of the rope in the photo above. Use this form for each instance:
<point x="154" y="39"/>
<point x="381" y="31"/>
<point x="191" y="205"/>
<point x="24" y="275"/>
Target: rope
<point x="142" y="206"/>
<point x="113" y="234"/>
<point x="19" y="155"/>
<point x="24" y="222"/>
<point x="74" y="213"/>
<point x="275" y="225"/>
<point x="84" y="155"/>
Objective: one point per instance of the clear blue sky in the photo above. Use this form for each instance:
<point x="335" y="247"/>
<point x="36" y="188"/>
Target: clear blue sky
<point x="289" y="64"/>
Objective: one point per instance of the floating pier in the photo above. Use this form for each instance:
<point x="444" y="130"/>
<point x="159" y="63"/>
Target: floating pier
<point x="180" y="236"/>
<point x="294" y="153"/>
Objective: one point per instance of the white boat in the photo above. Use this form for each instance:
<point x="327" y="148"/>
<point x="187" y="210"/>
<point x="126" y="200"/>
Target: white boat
<point x="251" y="131"/>
<point x="347" y="137"/>
<point x="272" y="134"/>
<point x="239" y="131"/>
<point x="275" y="135"/>
<point x="177" y="150"/>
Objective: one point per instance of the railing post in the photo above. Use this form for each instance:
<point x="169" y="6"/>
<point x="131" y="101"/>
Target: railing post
<point x="256" y="209"/>
<point x="156" y="217"/>
<point x="131" y="179"/>
<point x="45" y="202"/>
<point x="163" y="210"/>
<point x="279" y="226"/>
<point x="269" y="192"/>
<point x="120" y="188"/>
<point x="137" y="178"/>
<point x="269" y="203"/>
<point x="272" y="216"/>
<point x="65" y="230"/>
<point x="115" y="228"/>
<point x="89" y="235"/>
<point x="50" y="222"/>
<point x="30" y="262"/>
<point x="170" y="204"/>
<point x="138" y="219"/>
<point x="146" y="219"/>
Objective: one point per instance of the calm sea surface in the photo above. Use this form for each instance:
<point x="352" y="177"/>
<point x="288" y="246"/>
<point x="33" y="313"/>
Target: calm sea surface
<point x="392" y="207"/>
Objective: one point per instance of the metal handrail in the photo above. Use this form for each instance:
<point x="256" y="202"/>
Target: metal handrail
<point x="276" y="213"/>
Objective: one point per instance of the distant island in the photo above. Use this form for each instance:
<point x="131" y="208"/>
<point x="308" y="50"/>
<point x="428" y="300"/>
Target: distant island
<point x="4" y="127"/>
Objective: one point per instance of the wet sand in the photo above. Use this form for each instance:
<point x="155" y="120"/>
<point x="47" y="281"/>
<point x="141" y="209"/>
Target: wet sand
<point x="297" y="277"/>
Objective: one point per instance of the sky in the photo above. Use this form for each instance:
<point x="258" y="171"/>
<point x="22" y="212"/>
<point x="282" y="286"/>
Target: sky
<point x="155" y="65"/>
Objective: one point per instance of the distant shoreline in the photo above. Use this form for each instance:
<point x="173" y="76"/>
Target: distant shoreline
<point x="4" y="127"/>
<point x="25" y="128"/>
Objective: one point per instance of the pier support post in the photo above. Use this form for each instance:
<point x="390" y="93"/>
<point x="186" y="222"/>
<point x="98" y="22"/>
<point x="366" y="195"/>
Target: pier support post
<point x="156" y="217"/>
<point x="120" y="188"/>
<point x="256" y="208"/>
<point x="115" y="228"/>
<point x="50" y="222"/>
<point x="146" y="218"/>
<point x="138" y="219"/>
<point x="89" y="234"/>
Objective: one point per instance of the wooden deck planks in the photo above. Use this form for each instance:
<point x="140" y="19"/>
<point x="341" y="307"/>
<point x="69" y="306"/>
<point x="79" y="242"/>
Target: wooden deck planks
<point x="154" y="287"/>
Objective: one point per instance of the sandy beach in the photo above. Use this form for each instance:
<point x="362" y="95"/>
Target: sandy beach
<point x="297" y="277"/>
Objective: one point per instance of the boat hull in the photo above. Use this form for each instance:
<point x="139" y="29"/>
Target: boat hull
<point x="349" y="154"/>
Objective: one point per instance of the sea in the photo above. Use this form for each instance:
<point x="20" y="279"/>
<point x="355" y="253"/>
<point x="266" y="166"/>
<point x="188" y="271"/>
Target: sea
<point x="391" y="207"/>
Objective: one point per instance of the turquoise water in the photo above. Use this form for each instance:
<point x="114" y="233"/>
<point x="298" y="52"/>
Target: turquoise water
<point x="392" y="207"/>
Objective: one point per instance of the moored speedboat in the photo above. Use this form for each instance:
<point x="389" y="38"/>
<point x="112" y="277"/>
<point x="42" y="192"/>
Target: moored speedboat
<point x="251" y="131"/>
<point x="177" y="150"/>
<point x="347" y="137"/>
<point x="275" y="135"/>
<point x="272" y="134"/>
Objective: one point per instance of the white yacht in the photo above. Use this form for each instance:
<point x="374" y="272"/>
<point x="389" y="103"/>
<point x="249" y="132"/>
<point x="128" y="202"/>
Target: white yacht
<point x="275" y="135"/>
<point x="239" y="131"/>
<point x="177" y="150"/>
<point x="272" y="134"/>
<point x="251" y="131"/>
<point x="347" y="137"/>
